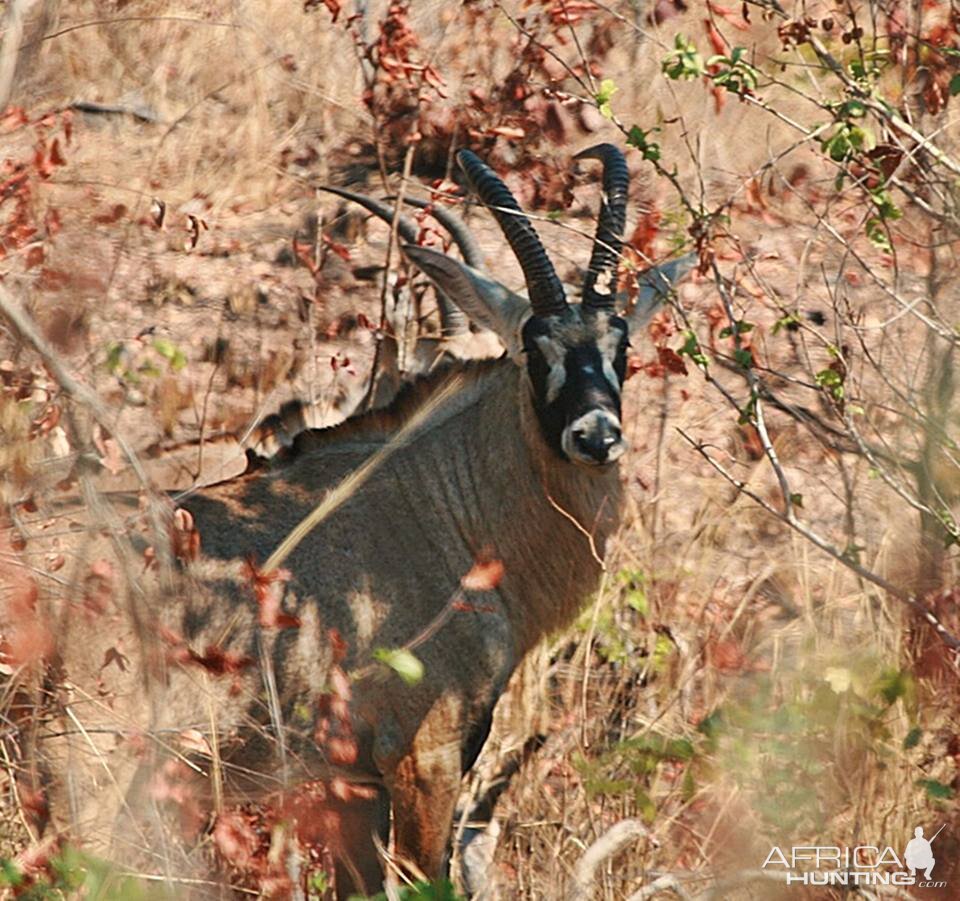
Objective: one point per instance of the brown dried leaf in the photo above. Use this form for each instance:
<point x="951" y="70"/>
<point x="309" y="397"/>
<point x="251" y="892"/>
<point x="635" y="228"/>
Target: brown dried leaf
<point x="113" y="655"/>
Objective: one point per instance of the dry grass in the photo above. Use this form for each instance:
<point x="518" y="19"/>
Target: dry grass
<point x="727" y="689"/>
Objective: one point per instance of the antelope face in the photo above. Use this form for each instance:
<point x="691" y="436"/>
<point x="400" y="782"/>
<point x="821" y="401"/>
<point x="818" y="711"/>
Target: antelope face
<point x="575" y="355"/>
<point x="576" y="362"/>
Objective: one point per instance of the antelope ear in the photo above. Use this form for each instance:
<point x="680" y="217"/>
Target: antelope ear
<point x="488" y="303"/>
<point x="655" y="286"/>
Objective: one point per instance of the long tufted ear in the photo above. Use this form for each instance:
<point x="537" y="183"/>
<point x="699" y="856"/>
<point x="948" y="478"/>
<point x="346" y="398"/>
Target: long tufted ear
<point x="488" y="303"/>
<point x="655" y="286"/>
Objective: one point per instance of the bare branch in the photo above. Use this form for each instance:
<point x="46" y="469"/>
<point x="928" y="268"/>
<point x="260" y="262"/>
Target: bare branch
<point x="611" y="842"/>
<point x="819" y="541"/>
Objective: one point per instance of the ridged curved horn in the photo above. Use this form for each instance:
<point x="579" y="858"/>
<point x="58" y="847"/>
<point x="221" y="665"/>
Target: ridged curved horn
<point x="455" y="226"/>
<point x="609" y="236"/>
<point x="408" y="231"/>
<point x="453" y="321"/>
<point x="543" y="286"/>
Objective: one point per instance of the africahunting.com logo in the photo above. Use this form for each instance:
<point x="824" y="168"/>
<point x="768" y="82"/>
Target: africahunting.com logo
<point x="863" y="865"/>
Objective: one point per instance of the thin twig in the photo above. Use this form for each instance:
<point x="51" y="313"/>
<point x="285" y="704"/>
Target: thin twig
<point x="28" y="332"/>
<point x="611" y="842"/>
<point x="820" y="542"/>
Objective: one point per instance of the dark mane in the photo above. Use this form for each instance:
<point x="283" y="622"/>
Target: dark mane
<point x="378" y="425"/>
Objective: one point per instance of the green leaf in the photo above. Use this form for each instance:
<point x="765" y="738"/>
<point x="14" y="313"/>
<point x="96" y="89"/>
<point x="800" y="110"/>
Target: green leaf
<point x="741" y="327"/>
<point x="893" y="685"/>
<point x="797" y="499"/>
<point x="403" y="662"/>
<point x="837" y="146"/>
<point x="785" y="322"/>
<point x="170" y="352"/>
<point x="830" y="380"/>
<point x="743" y="358"/>
<point x="648" y="809"/>
<point x="733" y="72"/>
<point x="861" y="138"/>
<point x="637" y="600"/>
<point x="603" y="97"/>
<point x="913" y="738"/>
<point x="936" y="790"/>
<point x="318" y="883"/>
<point x="662" y="651"/>
<point x="886" y="208"/>
<point x="853" y="109"/>
<point x="684" y="62"/>
<point x="878" y="235"/>
<point x="438" y="890"/>
<point x="10" y="874"/>
<point x="748" y="413"/>
<point x="691" y="348"/>
<point x="954" y="86"/>
<point x="114" y="357"/>
<point x="638" y="138"/>
<point x="165" y="347"/>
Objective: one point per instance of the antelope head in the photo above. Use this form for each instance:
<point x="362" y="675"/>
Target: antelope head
<point x="575" y="355"/>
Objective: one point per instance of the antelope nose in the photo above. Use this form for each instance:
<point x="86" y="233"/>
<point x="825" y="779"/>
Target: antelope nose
<point x="599" y="441"/>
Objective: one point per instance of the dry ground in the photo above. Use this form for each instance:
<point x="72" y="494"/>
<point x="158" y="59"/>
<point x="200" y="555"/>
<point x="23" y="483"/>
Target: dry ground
<point x="733" y="687"/>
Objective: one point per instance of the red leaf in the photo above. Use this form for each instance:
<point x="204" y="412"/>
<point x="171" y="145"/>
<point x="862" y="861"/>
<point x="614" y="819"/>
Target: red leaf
<point x="304" y="253"/>
<point x="729" y="15"/>
<point x="215" y="660"/>
<point x="338" y="646"/>
<point x="716" y="39"/>
<point x="34" y="256"/>
<point x="56" y="157"/>
<point x="645" y="233"/>
<point x="51" y="222"/>
<point x="671" y="361"/>
<point x="725" y="655"/>
<point x="26" y="636"/>
<point x="12" y="118"/>
<point x="268" y="590"/>
<point x="339" y="249"/>
<point x="484" y="575"/>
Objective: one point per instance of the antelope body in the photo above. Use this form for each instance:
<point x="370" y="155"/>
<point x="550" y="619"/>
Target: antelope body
<point x="516" y="465"/>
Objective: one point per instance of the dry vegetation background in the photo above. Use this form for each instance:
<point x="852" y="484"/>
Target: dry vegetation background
<point x="735" y="686"/>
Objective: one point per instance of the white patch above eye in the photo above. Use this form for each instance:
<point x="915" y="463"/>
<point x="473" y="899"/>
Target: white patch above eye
<point x="609" y="343"/>
<point x="555" y="354"/>
<point x="555" y="380"/>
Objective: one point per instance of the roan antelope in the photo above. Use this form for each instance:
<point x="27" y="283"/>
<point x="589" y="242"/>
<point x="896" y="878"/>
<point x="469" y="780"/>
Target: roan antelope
<point x="515" y="464"/>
